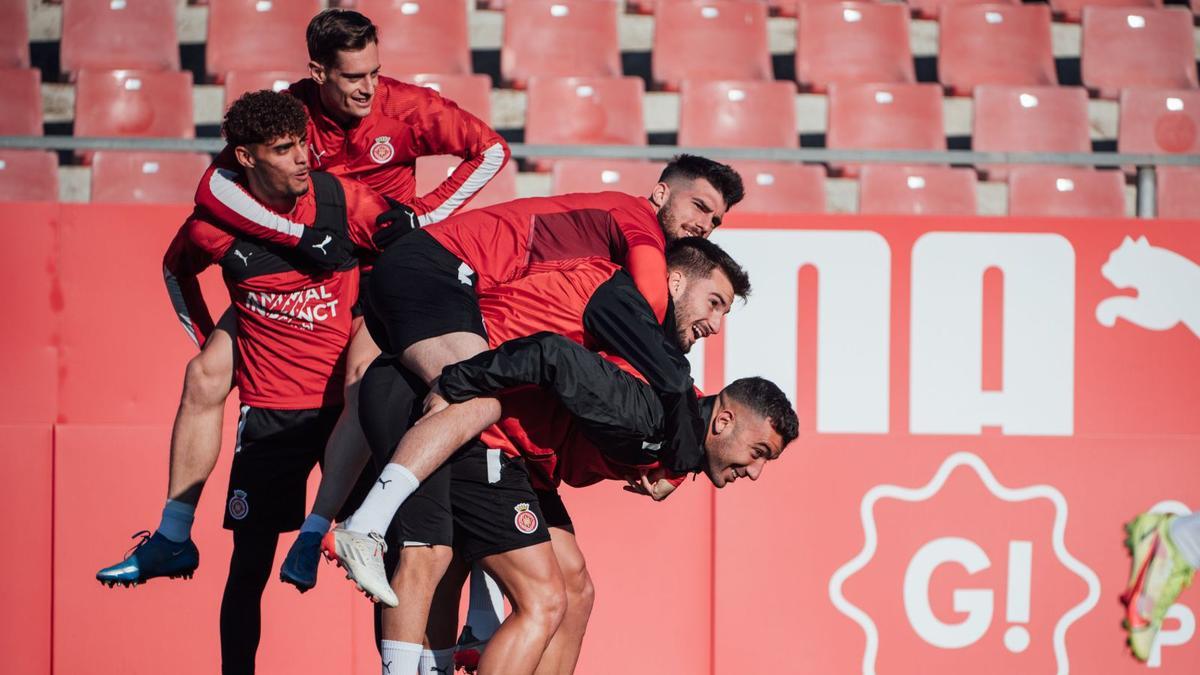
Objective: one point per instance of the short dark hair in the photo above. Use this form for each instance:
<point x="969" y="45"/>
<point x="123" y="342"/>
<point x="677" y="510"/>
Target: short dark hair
<point x="334" y="30"/>
<point x="722" y="176"/>
<point x="765" y="398"/>
<point x="696" y="256"/>
<point x="263" y="116"/>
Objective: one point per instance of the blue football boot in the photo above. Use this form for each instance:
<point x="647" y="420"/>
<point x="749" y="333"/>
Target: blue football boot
<point x="300" y="566"/>
<point x="154" y="556"/>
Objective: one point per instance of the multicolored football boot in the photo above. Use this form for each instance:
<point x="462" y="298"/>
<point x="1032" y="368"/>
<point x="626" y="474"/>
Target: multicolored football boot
<point x="361" y="555"/>
<point x="299" y="568"/>
<point x="469" y="650"/>
<point x="1158" y="575"/>
<point x="153" y="556"/>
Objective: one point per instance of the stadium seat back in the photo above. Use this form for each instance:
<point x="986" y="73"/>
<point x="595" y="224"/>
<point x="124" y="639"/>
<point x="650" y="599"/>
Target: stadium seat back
<point x="433" y="170"/>
<point x="1125" y="47"/>
<point x="134" y="103"/>
<point x="711" y="40"/>
<point x="1072" y="10"/>
<point x="1030" y="119"/>
<point x="14" y="34"/>
<point x="995" y="44"/>
<point x="738" y="114"/>
<point x="630" y="176"/>
<point x="585" y="111"/>
<point x="21" y="105"/>
<point x="257" y="35"/>
<point x="1156" y="121"/>
<point x="146" y="177"/>
<point x="931" y="9"/>
<point x="114" y="35"/>
<point x="780" y="187"/>
<point x="852" y="42"/>
<point x="472" y="93"/>
<point x="1176" y="192"/>
<point x="1066" y="191"/>
<point x="886" y="117"/>
<point x="421" y="36"/>
<point x="239" y="82"/>
<point x="559" y="38"/>
<point x="28" y="176"/>
<point x="916" y="190"/>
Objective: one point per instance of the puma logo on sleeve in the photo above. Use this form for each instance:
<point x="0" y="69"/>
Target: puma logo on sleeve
<point x="321" y="246"/>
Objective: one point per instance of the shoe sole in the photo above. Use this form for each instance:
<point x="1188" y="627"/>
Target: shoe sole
<point x="127" y="583"/>
<point x="300" y="585"/>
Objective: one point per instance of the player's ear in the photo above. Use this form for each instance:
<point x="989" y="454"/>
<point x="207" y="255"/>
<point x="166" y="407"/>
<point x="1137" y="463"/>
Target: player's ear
<point x="722" y="420"/>
<point x="659" y="195"/>
<point x="243" y="156"/>
<point x="674" y="282"/>
<point x="317" y="71"/>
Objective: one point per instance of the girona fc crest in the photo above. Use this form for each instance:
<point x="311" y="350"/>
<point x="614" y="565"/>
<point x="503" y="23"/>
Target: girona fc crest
<point x="238" y="506"/>
<point x="382" y="152"/>
<point x="525" y="520"/>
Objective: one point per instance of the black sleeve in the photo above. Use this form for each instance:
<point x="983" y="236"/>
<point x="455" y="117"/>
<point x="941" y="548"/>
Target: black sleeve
<point x="621" y="321"/>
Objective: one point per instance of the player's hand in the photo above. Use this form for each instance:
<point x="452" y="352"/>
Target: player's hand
<point x="394" y="223"/>
<point x="326" y="249"/>
<point x="657" y="490"/>
<point x="434" y="403"/>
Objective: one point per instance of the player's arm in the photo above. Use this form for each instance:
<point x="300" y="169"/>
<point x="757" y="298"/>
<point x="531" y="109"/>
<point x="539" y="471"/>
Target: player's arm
<point x="647" y="266"/>
<point x="182" y="265"/>
<point x="446" y="129"/>
<point x="375" y="222"/>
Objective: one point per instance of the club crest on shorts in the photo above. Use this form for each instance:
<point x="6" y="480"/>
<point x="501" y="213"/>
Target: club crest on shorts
<point x="238" y="506"/>
<point x="382" y="152"/>
<point x="525" y="520"/>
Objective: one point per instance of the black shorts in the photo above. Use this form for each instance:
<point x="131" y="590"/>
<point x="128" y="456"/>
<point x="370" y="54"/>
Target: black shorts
<point x="555" y="510"/>
<point x="276" y="450"/>
<point x="419" y="290"/>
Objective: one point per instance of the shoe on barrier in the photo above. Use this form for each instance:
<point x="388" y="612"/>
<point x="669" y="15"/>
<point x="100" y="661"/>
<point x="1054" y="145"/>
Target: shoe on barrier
<point x="1157" y="577"/>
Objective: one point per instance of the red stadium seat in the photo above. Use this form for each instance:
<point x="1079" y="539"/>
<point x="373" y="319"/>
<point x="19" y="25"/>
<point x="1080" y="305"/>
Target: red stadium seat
<point x="779" y="187"/>
<point x="14" y="34"/>
<point x="1072" y="10"/>
<point x="884" y="117"/>
<point x="852" y="42"/>
<point x="146" y="177"/>
<point x="1159" y="121"/>
<point x="916" y="190"/>
<point x="559" y="37"/>
<point x="1030" y="119"/>
<point x="21" y="105"/>
<point x="27" y="483"/>
<point x="134" y="103"/>
<point x="930" y="9"/>
<point x="29" y="353"/>
<point x="28" y="176"/>
<point x="1176" y="192"/>
<point x="710" y="40"/>
<point x="1137" y="48"/>
<point x="432" y="170"/>
<point x="1066" y="191"/>
<point x="421" y="36"/>
<point x="630" y="176"/>
<point x="257" y="35"/>
<point x="738" y="114"/>
<point x="240" y="82"/>
<point x="584" y="111"/>
<point x="995" y="44"/>
<point x="472" y="93"/>
<point x="130" y="34"/>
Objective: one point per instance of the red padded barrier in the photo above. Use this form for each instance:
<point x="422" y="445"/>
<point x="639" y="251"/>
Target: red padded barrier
<point x="28" y="353"/>
<point x="26" y="457"/>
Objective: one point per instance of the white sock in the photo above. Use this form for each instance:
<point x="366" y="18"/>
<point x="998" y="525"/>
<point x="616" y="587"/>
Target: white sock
<point x="437" y="662"/>
<point x="315" y="523"/>
<point x="485" y="608"/>
<point x="176" y="523"/>
<point x="1185" y="534"/>
<point x="392" y="487"/>
<point x="400" y="658"/>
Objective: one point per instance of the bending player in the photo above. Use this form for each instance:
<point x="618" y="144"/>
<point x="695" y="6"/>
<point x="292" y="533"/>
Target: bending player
<point x="1166" y="553"/>
<point x="292" y="326"/>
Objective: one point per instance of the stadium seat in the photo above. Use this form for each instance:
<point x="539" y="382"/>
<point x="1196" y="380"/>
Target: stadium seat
<point x="146" y="177"/>
<point x="916" y="190"/>
<point x="472" y="93"/>
<point x="1072" y="10"/>
<point x="710" y="40"/>
<point x="421" y="36"/>
<point x="884" y="117"/>
<point x="559" y="38"/>
<point x="738" y="114"/>
<point x="240" y="82"/>
<point x="1177" y="188"/>
<point x="134" y="103"/>
<point x="432" y="170"/>
<point x="257" y="35"/>
<point x="780" y="187"/>
<point x="21" y="105"/>
<point x="1066" y="191"/>
<point x="14" y="34"/>
<point x="1159" y="121"/>
<point x="994" y="44"/>
<point x="584" y="111"/>
<point x="112" y="35"/>
<point x="1030" y="119"/>
<point x="1137" y="48"/>
<point x="630" y="176"/>
<point x="852" y="42"/>
<point x="28" y="175"/>
<point x="931" y="9"/>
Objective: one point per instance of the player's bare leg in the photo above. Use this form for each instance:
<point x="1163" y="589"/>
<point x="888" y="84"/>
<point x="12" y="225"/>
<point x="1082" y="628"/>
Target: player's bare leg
<point x="422" y="627"/>
<point x="562" y="654"/>
<point x="531" y="579"/>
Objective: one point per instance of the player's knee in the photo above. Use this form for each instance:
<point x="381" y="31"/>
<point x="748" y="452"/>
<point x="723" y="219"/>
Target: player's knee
<point x="425" y="562"/>
<point x="582" y="594"/>
<point x="547" y="605"/>
<point x="205" y="382"/>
